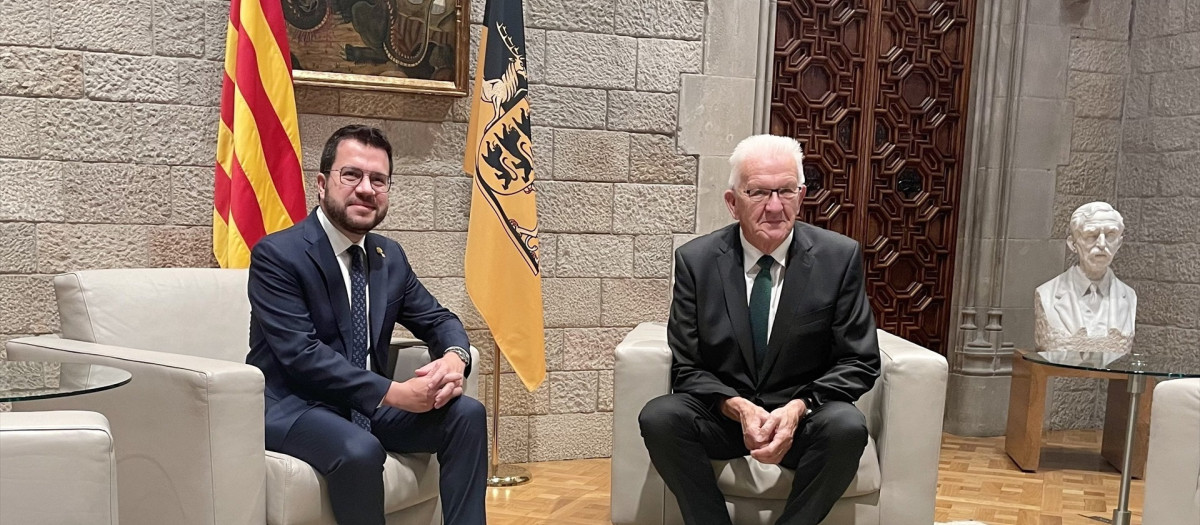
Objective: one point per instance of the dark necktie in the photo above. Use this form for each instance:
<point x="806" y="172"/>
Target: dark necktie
<point x="358" y="316"/>
<point x="760" y="307"/>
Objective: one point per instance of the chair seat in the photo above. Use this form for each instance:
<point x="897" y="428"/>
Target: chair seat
<point x="746" y="477"/>
<point x="296" y="493"/>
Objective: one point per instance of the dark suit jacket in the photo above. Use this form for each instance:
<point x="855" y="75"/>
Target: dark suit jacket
<point x="822" y="345"/>
<point x="300" y="323"/>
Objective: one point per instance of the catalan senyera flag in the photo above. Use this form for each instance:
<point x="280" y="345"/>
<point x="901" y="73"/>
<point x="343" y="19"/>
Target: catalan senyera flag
<point x="259" y="185"/>
<point x="503" y="253"/>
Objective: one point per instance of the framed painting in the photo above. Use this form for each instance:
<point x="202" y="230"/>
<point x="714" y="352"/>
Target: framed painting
<point x="415" y="46"/>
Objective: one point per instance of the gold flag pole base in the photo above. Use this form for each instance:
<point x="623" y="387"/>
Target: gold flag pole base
<point x="501" y="474"/>
<point x="508" y="476"/>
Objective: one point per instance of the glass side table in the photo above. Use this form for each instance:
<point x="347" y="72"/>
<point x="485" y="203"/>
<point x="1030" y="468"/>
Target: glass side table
<point x="29" y="380"/>
<point x="1137" y="368"/>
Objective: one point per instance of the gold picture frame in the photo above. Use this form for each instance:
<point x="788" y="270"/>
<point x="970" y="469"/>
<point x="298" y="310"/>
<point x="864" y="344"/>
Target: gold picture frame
<point x="410" y="46"/>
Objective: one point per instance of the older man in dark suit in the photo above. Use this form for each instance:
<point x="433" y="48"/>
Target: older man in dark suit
<point x="773" y="339"/>
<point x="324" y="296"/>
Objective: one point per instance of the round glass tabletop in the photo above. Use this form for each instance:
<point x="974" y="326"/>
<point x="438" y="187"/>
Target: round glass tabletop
<point x="28" y="380"/>
<point x="1149" y="365"/>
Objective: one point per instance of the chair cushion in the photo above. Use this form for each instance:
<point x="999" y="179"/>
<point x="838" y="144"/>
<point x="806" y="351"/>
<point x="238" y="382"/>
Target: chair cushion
<point x="296" y="493"/>
<point x="747" y="478"/>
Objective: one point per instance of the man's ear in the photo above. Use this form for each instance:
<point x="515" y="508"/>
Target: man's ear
<point x="731" y="203"/>
<point x="800" y="200"/>
<point x="321" y="180"/>
<point x="1071" y="245"/>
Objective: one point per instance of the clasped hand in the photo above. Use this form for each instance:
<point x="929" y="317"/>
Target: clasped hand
<point x="767" y="435"/>
<point x="432" y="386"/>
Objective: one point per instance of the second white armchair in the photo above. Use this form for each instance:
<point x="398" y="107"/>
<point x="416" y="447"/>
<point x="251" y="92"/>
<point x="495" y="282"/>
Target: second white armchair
<point x="897" y="476"/>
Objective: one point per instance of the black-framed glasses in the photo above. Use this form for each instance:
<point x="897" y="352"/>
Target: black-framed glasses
<point x="762" y="194"/>
<point x="351" y="176"/>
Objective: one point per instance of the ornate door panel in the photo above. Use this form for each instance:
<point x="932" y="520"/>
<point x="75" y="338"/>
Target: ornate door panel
<point x="897" y="189"/>
<point x="817" y="97"/>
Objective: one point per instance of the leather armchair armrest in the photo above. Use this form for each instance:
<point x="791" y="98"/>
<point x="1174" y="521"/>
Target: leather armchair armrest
<point x="908" y="417"/>
<point x="189" y="430"/>
<point x="57" y="467"/>
<point x="1173" y="465"/>
<point x="641" y="372"/>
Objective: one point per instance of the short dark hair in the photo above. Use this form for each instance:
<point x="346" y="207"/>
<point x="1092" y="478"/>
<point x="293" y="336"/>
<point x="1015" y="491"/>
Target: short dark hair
<point x="366" y="135"/>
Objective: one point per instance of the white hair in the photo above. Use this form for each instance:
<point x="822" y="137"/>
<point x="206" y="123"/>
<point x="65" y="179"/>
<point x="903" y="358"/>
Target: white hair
<point x="764" y="146"/>
<point x="1087" y="211"/>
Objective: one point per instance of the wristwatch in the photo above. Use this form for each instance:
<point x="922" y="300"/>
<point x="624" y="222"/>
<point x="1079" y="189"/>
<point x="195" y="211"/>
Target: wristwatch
<point x="462" y="354"/>
<point x="810" y="404"/>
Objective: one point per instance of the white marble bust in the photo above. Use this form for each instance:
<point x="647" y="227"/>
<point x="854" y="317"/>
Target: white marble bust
<point x="1087" y="308"/>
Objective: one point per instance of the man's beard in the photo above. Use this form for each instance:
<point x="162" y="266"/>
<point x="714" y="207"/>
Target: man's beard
<point x="338" y="216"/>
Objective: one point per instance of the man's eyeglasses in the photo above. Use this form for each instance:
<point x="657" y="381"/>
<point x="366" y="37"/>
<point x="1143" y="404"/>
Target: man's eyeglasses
<point x="351" y="176"/>
<point x="762" y="194"/>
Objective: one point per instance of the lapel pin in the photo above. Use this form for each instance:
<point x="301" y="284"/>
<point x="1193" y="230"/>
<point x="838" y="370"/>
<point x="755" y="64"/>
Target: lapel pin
<point x="380" y="252"/>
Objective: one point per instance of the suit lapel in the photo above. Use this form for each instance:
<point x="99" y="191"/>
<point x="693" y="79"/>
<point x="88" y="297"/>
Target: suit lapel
<point x="321" y="253"/>
<point x="729" y="264"/>
<point x="378" y="278"/>
<point x="799" y="270"/>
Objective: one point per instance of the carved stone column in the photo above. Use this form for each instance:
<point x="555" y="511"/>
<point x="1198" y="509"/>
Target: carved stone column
<point x="980" y="360"/>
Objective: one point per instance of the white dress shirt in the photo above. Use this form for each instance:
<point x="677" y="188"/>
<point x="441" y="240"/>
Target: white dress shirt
<point x="341" y="249"/>
<point x="750" y="256"/>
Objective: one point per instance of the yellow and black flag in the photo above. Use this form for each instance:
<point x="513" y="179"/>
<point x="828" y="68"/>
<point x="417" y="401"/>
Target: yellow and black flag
<point x="502" y="264"/>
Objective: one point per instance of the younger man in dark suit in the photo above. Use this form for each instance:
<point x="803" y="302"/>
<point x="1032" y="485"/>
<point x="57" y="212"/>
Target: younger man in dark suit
<point x="773" y="339"/>
<point x="324" y="296"/>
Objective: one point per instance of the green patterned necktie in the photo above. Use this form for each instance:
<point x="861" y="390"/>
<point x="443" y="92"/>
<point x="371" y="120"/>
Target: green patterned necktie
<point x="760" y="306"/>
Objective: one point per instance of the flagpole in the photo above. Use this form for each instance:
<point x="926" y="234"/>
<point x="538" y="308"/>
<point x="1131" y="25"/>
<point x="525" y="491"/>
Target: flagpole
<point x="503" y="232"/>
<point x="501" y="475"/>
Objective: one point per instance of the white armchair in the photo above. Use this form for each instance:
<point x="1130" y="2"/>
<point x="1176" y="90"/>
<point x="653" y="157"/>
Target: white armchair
<point x="897" y="477"/>
<point x="57" y="467"/>
<point x="189" y="426"/>
<point x="1173" y="464"/>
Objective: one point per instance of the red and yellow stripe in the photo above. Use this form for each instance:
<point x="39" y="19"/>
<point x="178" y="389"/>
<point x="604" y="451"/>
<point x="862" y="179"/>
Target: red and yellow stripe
<point x="259" y="185"/>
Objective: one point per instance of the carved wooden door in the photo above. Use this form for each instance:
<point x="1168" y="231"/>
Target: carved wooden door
<point x="876" y="91"/>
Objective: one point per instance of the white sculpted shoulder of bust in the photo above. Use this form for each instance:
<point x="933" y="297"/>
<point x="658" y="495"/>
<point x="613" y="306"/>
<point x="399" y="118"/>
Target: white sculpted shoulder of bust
<point x="1087" y="308"/>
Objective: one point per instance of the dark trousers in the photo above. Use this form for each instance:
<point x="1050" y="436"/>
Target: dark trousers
<point x="351" y="459"/>
<point x="682" y="435"/>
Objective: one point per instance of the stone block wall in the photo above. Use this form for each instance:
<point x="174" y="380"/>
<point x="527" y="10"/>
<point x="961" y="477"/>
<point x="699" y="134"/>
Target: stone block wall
<point x="1158" y="187"/>
<point x="1065" y="153"/>
<point x="108" y="145"/>
<point x="107" y="142"/>
<point x="1132" y="139"/>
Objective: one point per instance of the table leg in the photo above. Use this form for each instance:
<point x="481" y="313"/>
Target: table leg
<point x="1026" y="409"/>
<point x="1116" y="415"/>
<point x="1137" y="385"/>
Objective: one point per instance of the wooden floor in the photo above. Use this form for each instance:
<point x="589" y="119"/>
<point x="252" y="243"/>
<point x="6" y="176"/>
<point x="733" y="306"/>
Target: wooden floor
<point x="976" y="481"/>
